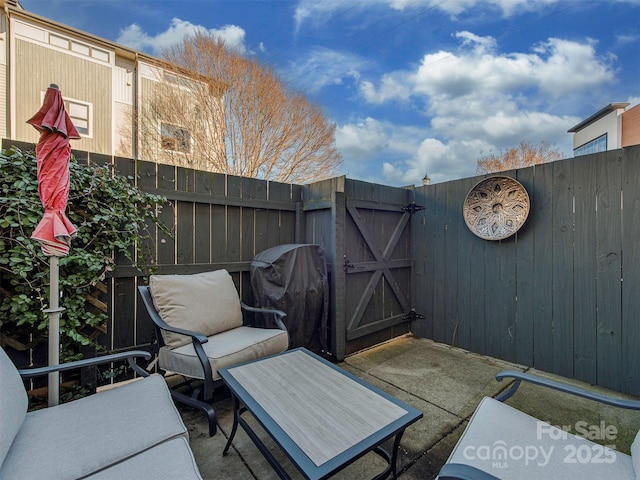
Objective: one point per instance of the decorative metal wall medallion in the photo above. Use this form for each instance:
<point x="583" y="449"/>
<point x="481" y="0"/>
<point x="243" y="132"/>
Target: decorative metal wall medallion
<point x="496" y="208"/>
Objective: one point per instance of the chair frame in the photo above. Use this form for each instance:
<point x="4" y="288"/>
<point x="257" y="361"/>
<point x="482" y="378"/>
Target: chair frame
<point x="457" y="471"/>
<point x="201" y="396"/>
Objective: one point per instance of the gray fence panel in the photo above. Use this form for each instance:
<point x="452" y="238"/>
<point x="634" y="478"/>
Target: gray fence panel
<point x="609" y="270"/>
<point x="562" y="294"/>
<point x="631" y="271"/>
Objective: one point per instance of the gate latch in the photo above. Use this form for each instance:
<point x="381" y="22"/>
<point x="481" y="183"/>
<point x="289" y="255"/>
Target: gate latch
<point x="346" y="264"/>
<point x="413" y="208"/>
<point x="412" y="316"/>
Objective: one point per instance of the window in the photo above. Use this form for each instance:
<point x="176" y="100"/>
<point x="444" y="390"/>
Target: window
<point x="80" y="114"/>
<point x="594" y="146"/>
<point x="178" y="80"/>
<point x="175" y="138"/>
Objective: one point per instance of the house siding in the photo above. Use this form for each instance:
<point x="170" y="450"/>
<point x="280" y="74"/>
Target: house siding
<point x="36" y="67"/>
<point x="631" y="127"/>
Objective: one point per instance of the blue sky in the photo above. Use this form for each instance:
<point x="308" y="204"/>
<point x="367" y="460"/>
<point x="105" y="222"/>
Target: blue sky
<point x="414" y="87"/>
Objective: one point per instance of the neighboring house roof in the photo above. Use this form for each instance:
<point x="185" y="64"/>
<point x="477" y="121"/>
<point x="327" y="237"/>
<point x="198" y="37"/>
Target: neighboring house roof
<point x="598" y="115"/>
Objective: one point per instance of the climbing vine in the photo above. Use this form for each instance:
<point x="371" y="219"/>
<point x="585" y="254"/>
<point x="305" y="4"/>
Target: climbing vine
<point x="113" y="218"/>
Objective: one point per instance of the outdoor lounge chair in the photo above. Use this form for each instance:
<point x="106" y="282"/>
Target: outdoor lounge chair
<point x="199" y="326"/>
<point x="131" y="431"/>
<point x="501" y="442"/>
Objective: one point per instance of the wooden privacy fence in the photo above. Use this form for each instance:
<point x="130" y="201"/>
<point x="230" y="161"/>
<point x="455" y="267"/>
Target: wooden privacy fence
<point x="218" y="221"/>
<point x="563" y="295"/>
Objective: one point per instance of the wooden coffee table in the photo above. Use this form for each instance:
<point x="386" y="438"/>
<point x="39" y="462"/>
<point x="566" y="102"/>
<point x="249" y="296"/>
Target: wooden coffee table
<point x="322" y="417"/>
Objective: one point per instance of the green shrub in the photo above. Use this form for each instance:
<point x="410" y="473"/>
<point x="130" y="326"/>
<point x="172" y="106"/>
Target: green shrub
<point x="112" y="217"/>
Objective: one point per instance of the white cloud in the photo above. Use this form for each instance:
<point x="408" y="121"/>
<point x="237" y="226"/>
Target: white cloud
<point x="319" y="12"/>
<point x="555" y="67"/>
<point x="479" y="99"/>
<point x="362" y="140"/>
<point x="633" y="101"/>
<point x="134" y="37"/>
<point x="392" y="87"/>
<point x="322" y="67"/>
<point x="479" y="44"/>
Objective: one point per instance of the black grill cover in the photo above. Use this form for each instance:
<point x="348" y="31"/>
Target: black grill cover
<point x="293" y="278"/>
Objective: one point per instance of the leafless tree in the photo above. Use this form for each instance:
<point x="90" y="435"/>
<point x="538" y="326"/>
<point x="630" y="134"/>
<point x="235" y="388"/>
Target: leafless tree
<point x="220" y="111"/>
<point x="525" y="155"/>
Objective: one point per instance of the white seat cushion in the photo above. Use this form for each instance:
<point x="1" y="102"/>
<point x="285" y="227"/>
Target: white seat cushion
<point x="170" y="460"/>
<point x="635" y="455"/>
<point x="510" y="444"/>
<point x="224" y="350"/>
<point x="79" y="438"/>
<point x="205" y="303"/>
<point x="13" y="403"/>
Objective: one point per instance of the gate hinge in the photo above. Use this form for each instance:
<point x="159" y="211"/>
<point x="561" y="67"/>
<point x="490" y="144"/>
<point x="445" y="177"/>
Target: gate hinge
<point x="413" y="208"/>
<point x="412" y="316"/>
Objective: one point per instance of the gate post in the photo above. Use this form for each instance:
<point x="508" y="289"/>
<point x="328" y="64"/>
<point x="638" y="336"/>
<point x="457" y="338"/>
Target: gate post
<point x="338" y="327"/>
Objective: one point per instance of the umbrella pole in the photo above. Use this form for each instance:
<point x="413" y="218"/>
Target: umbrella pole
<point x="53" y="313"/>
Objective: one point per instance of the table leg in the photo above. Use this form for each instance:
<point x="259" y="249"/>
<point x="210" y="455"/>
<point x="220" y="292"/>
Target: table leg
<point x="237" y="420"/>
<point x="236" y="417"/>
<point x="391" y="458"/>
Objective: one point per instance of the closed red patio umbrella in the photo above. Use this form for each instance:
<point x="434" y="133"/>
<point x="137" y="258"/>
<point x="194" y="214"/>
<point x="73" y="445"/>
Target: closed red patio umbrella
<point x="55" y="231"/>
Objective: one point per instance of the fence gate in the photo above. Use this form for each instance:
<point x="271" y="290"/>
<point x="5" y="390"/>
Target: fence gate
<point x="375" y="273"/>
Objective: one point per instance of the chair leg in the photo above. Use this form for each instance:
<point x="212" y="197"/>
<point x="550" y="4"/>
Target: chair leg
<point x="205" y="407"/>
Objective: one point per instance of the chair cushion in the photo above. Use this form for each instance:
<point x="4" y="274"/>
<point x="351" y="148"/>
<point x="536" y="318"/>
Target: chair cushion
<point x="13" y="403"/>
<point x="206" y="303"/>
<point x="635" y="455"/>
<point x="168" y="461"/>
<point x="82" y="437"/>
<point x="224" y="350"/>
<point x="510" y="444"/>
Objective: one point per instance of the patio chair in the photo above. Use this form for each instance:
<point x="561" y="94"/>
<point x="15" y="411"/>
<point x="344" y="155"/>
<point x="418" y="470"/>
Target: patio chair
<point x="131" y="431"/>
<point x="501" y="443"/>
<point x="199" y="328"/>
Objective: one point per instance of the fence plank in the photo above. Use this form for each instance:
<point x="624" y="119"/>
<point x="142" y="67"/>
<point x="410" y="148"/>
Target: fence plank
<point x="423" y="264"/>
<point x="631" y="269"/>
<point x="584" y="254"/>
<point x="542" y="211"/>
<point x="507" y="291"/>
<point x="454" y="192"/>
<point x="202" y="219"/>
<point x="440" y="264"/>
<point x="185" y="235"/>
<point x="525" y="265"/>
<point x="219" y="220"/>
<point x="234" y="221"/>
<point x="609" y="253"/>
<point x="166" y="244"/>
<point x="562" y="266"/>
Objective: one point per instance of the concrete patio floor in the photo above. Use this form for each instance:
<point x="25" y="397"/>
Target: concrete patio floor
<point x="443" y="382"/>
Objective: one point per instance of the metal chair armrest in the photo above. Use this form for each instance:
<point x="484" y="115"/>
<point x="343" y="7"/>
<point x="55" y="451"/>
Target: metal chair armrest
<point x="88" y="362"/>
<point x="199" y="337"/>
<point x="562" y="387"/>
<point x="277" y="315"/>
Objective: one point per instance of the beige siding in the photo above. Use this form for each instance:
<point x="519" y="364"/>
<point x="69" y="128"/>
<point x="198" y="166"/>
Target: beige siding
<point x="150" y="121"/>
<point x="83" y="80"/>
<point x="4" y="112"/>
<point x="149" y="124"/>
<point x="123" y="125"/>
<point x="5" y="101"/>
<point x="123" y="81"/>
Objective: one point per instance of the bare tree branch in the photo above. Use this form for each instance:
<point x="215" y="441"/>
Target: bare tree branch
<point x="219" y="111"/>
<point x="525" y="155"/>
